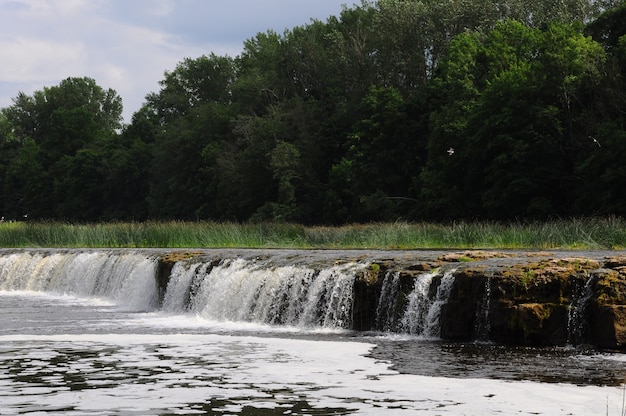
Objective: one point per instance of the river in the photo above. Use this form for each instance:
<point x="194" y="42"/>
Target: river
<point x="101" y="351"/>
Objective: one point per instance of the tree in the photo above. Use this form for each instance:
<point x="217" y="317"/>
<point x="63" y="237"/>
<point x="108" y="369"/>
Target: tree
<point x="193" y="113"/>
<point x="52" y="127"/>
<point x="600" y="166"/>
<point x="514" y="117"/>
<point x="26" y="187"/>
<point x="374" y="177"/>
<point x="194" y="82"/>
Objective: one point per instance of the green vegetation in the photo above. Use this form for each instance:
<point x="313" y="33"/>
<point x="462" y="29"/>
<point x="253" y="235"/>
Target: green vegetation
<point x="609" y="233"/>
<point x="396" y="110"/>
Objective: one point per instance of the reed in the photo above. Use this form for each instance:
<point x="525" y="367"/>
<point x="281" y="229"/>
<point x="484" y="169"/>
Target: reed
<point x="581" y="233"/>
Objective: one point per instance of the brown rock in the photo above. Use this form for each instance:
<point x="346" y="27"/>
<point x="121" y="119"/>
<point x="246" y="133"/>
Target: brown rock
<point x="608" y="326"/>
<point x="472" y="255"/>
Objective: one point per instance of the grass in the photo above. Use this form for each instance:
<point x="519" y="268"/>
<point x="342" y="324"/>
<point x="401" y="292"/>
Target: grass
<point x="587" y="233"/>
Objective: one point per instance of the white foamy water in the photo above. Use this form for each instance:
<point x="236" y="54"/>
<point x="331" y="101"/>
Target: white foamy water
<point x="126" y="278"/>
<point x="149" y="374"/>
<point x="82" y="333"/>
<point x="112" y="362"/>
<point x="241" y="290"/>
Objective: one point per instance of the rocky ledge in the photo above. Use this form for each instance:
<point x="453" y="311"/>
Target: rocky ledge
<point x="536" y="298"/>
<point x="507" y="297"/>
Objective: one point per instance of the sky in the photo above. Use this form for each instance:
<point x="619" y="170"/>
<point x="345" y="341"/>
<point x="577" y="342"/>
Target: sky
<point x="127" y="45"/>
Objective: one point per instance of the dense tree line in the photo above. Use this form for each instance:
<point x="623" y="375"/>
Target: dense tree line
<point x="399" y="109"/>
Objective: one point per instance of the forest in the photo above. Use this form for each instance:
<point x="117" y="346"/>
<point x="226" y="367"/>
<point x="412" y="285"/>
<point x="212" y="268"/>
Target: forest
<point x="395" y="110"/>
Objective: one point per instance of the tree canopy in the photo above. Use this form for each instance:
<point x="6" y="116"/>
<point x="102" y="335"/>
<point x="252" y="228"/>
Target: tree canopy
<point x="396" y="109"/>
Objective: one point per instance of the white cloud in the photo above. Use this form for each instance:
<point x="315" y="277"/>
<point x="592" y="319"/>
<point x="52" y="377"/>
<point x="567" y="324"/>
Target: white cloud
<point x="127" y="45"/>
<point x="27" y="60"/>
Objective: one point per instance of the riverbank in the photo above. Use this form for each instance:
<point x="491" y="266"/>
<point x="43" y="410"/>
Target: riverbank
<point x="573" y="234"/>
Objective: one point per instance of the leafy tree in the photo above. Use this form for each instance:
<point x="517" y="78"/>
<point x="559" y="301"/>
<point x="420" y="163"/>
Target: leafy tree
<point x="261" y="77"/>
<point x="53" y="126"/>
<point x="514" y="121"/>
<point x="609" y="27"/>
<point x="284" y="163"/>
<point x="599" y="166"/>
<point x="25" y="183"/>
<point x="392" y="109"/>
<point x="193" y="113"/>
<point x="207" y="79"/>
<point x="374" y="176"/>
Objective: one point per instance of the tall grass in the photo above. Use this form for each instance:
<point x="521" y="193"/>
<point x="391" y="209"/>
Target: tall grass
<point x="587" y="233"/>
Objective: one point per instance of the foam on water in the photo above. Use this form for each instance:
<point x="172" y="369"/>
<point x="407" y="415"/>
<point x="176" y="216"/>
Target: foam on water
<point x="182" y="373"/>
<point x="80" y="334"/>
<point x="54" y="297"/>
<point x="195" y="323"/>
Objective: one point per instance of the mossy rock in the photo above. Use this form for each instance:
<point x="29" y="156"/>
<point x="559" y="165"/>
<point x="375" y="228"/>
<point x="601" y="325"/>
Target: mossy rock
<point x="541" y="323"/>
<point x="472" y="255"/>
<point x="173" y="257"/>
<point x="536" y="324"/>
<point x="610" y="288"/>
<point x="547" y="281"/>
<point x="615" y="262"/>
<point x="165" y="265"/>
<point x="423" y="267"/>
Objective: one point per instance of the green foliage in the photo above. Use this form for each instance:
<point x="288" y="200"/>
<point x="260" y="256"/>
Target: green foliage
<point x="392" y="110"/>
<point x="516" y="113"/>
<point x="591" y="233"/>
<point x="192" y="113"/>
<point x="59" y="129"/>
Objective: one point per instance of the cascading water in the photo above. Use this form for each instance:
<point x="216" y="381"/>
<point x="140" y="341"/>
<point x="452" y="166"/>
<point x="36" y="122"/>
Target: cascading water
<point x="183" y="281"/>
<point x="231" y="289"/>
<point x="433" y="327"/>
<point x="482" y="326"/>
<point x="388" y="303"/>
<point x="264" y="290"/>
<point x="126" y="278"/>
<point x="256" y="291"/>
<point x="414" y="319"/>
<point x="576" y="315"/>
<point x="421" y="316"/>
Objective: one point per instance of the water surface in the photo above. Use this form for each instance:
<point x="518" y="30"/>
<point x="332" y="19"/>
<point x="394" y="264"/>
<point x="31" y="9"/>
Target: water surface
<point x="70" y="355"/>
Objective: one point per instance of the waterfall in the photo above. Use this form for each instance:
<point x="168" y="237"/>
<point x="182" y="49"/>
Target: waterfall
<point x="418" y="304"/>
<point x="288" y="289"/>
<point x="257" y="291"/>
<point x="482" y="327"/>
<point x="126" y="278"/>
<point x="269" y="290"/>
<point x="577" y="312"/>
<point x="388" y="302"/>
<point x="433" y="327"/>
<point x="183" y="282"/>
<point x="421" y="316"/>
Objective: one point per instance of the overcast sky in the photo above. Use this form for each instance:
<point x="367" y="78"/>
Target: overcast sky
<point x="128" y="44"/>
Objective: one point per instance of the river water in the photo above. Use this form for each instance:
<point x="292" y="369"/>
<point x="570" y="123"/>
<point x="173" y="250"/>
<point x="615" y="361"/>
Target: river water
<point x="95" y="352"/>
<point x="64" y="355"/>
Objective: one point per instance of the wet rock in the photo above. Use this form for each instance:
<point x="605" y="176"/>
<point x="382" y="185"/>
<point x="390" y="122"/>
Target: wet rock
<point x="614" y="262"/>
<point x="608" y="326"/>
<point x="367" y="287"/>
<point x="537" y="324"/>
<point x="472" y="255"/>
<point x="458" y="314"/>
<point x="610" y="287"/>
<point x="536" y="298"/>
<point x="166" y="262"/>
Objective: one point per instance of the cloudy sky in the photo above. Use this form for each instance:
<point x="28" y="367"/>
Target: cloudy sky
<point x="128" y="44"/>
